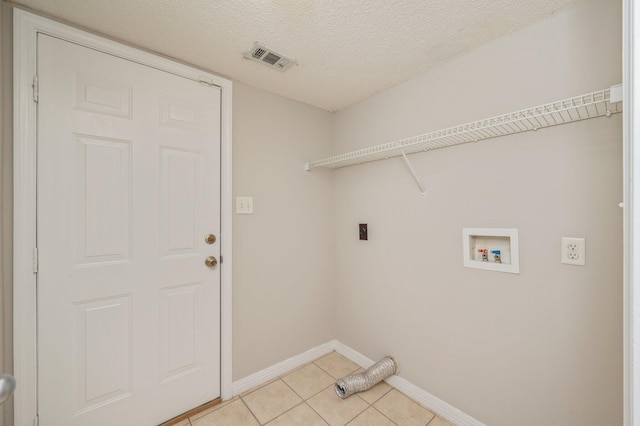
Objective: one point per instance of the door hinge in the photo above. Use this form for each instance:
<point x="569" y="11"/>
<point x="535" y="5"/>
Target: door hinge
<point x="36" y="420"/>
<point x="35" y="259"/>
<point x="36" y="89"/>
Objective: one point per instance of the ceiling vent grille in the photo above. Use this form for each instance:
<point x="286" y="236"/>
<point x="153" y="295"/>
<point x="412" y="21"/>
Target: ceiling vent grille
<point x="269" y="58"/>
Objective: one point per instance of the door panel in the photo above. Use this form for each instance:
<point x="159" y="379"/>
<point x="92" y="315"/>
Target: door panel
<point x="181" y="186"/>
<point x="103" y="210"/>
<point x="180" y="336"/>
<point x="104" y="355"/>
<point x="128" y="188"/>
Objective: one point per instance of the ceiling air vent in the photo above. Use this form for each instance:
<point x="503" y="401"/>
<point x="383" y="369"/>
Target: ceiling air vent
<point x="269" y="58"/>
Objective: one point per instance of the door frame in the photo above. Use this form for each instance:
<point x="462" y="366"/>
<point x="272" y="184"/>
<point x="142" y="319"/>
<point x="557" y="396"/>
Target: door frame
<point x="26" y="27"/>
<point x="631" y="215"/>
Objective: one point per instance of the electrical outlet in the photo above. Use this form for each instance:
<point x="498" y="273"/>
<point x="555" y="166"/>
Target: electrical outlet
<point x="573" y="251"/>
<point x="244" y="205"/>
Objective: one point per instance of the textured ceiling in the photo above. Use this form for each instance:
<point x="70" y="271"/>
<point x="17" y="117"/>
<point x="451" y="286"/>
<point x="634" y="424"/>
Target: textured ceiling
<point x="346" y="50"/>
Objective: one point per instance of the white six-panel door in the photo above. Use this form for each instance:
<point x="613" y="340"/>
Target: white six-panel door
<point x="128" y="186"/>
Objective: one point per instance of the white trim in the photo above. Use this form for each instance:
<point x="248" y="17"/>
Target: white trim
<point x="631" y="162"/>
<point x="24" y="239"/>
<point x="26" y="27"/>
<point x="226" y="215"/>
<point x="276" y="370"/>
<point x="422" y="397"/>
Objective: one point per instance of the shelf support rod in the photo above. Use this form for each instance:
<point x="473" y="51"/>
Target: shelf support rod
<point x="413" y="172"/>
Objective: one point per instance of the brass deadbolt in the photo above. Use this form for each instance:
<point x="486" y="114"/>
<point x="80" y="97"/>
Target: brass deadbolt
<point x="210" y="239"/>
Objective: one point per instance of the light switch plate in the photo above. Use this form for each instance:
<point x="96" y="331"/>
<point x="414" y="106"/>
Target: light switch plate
<point x="244" y="205"/>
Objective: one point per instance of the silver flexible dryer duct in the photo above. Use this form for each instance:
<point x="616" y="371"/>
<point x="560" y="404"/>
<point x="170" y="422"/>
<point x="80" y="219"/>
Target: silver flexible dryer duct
<point x="379" y="371"/>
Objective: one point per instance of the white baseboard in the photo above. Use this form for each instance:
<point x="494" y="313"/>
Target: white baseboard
<point x="281" y="368"/>
<point x="422" y="397"/>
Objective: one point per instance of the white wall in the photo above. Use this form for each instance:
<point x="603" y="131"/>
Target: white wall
<point x="282" y="254"/>
<point x="541" y="347"/>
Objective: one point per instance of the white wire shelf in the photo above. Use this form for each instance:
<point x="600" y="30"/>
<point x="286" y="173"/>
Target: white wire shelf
<point x="591" y="105"/>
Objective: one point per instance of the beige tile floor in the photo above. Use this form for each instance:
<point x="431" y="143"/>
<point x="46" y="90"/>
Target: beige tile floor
<point x="306" y="396"/>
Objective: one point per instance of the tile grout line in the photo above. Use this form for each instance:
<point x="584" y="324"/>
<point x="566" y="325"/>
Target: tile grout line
<point x="283" y="413"/>
<point x="257" y="388"/>
<point x="437" y="417"/>
<point x="319" y="415"/>
<point x="302" y="400"/>
<point x="354" y="417"/>
<point x="294" y="391"/>
<point x="385" y="416"/>
<point x="335" y="378"/>
<point x="306" y="400"/>
<point x="249" y="408"/>
<point x="317" y="393"/>
<point x="383" y="395"/>
<point x="371" y="406"/>
<point x="325" y="370"/>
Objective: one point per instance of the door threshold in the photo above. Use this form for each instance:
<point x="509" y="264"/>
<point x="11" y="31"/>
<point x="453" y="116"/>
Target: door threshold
<point x="192" y="412"/>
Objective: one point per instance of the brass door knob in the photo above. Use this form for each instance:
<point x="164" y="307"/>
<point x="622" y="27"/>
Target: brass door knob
<point x="211" y="262"/>
<point x="210" y="239"/>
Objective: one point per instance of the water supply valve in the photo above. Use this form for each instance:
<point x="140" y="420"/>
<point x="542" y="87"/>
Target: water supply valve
<point x="483" y="254"/>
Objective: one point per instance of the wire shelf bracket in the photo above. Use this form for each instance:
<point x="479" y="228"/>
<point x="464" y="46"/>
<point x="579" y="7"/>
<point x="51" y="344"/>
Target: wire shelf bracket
<point x="423" y="192"/>
<point x="602" y="103"/>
